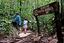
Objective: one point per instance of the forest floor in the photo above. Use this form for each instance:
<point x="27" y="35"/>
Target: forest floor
<point x="30" y="37"/>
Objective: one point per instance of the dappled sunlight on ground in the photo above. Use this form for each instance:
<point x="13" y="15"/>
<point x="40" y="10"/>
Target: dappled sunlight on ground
<point x="24" y="34"/>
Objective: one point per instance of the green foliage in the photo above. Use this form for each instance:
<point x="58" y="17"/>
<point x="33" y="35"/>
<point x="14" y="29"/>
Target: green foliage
<point x="46" y="22"/>
<point x="8" y="8"/>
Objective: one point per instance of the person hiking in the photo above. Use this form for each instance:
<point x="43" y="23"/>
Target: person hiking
<point x="17" y="22"/>
<point x="25" y="25"/>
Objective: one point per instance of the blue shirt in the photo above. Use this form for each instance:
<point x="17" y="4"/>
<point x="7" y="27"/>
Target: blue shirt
<point x="17" y="19"/>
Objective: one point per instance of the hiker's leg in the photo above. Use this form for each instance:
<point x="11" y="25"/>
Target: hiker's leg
<point x="19" y="29"/>
<point x="25" y="30"/>
<point x="14" y="29"/>
<point x="17" y="32"/>
<point x="14" y="32"/>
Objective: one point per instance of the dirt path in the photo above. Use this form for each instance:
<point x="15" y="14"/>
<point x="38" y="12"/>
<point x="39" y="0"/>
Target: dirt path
<point x="29" y="38"/>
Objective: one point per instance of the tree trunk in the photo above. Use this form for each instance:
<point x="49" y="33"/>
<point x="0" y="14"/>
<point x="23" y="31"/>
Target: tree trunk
<point x="58" y="27"/>
<point x="38" y="25"/>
